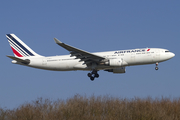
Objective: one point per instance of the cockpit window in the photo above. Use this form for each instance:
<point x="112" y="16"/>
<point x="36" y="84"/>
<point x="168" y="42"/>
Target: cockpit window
<point x="166" y="51"/>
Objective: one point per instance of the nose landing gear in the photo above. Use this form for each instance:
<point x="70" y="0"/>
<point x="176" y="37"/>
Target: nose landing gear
<point x="92" y="75"/>
<point x="156" y="68"/>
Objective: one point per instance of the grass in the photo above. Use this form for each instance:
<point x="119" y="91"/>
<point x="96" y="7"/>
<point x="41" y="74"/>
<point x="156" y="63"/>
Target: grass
<point x="96" y="108"/>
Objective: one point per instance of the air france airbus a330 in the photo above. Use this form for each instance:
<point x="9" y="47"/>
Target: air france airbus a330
<point x="112" y="61"/>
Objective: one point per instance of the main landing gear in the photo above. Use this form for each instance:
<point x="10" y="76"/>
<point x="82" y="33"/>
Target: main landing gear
<point x="156" y="68"/>
<point x="92" y="75"/>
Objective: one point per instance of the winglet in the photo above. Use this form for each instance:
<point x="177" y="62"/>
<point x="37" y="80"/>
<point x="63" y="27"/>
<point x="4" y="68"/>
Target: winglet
<point x="57" y="41"/>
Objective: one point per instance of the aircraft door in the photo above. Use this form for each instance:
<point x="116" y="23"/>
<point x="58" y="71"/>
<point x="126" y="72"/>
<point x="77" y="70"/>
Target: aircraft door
<point x="133" y="57"/>
<point x="156" y="56"/>
<point x="123" y="62"/>
<point x="44" y="62"/>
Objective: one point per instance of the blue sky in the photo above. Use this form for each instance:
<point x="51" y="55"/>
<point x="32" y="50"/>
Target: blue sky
<point x="93" y="26"/>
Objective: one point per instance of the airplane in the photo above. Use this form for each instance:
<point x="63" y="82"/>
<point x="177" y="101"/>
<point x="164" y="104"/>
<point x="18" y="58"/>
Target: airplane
<point x="110" y="61"/>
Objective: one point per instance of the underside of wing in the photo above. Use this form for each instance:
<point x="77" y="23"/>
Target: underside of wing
<point x="80" y="54"/>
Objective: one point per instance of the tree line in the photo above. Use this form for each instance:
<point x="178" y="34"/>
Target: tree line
<point x="105" y="107"/>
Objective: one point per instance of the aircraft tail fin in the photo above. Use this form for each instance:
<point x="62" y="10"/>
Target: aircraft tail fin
<point x="19" y="48"/>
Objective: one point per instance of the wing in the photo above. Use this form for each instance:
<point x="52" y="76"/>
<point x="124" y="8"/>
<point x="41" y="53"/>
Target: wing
<point x="80" y="54"/>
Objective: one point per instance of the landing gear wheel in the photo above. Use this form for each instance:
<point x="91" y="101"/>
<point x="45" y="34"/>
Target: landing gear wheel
<point x="156" y="68"/>
<point x="92" y="78"/>
<point x="89" y="75"/>
<point x="96" y="75"/>
<point x="93" y="74"/>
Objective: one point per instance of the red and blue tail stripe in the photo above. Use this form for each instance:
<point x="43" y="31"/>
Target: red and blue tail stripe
<point x="19" y="48"/>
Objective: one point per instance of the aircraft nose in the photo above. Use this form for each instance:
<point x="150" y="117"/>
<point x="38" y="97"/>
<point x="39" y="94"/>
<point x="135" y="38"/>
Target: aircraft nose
<point x="172" y="55"/>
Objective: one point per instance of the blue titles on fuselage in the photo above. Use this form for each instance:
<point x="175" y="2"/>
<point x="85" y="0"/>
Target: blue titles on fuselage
<point x="130" y="51"/>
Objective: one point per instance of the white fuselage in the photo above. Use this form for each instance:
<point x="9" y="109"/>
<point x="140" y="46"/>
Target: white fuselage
<point x="123" y="57"/>
<point x="111" y="61"/>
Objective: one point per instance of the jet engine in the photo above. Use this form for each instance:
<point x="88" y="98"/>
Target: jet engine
<point x="117" y="70"/>
<point x="114" y="62"/>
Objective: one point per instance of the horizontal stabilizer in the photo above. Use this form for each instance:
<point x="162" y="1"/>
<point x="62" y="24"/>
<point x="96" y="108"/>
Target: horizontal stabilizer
<point x="26" y="61"/>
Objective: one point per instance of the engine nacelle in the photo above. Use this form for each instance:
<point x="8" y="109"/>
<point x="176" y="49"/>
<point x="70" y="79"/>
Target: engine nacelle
<point x="117" y="70"/>
<point x="114" y="62"/>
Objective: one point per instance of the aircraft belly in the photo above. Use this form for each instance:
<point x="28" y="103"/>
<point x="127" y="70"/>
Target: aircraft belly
<point x="63" y="65"/>
<point x="55" y="65"/>
<point x="80" y="66"/>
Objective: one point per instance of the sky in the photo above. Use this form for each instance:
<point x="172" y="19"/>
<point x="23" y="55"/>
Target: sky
<point x="93" y="26"/>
